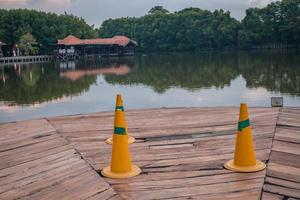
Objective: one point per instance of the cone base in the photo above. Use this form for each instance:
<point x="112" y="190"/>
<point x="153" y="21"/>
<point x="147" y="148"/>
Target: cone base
<point x="257" y="167"/>
<point x="130" y="140"/>
<point x="135" y="170"/>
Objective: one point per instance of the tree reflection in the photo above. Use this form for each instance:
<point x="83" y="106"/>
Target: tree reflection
<point x="184" y="70"/>
<point x="36" y="83"/>
<point x="276" y="71"/>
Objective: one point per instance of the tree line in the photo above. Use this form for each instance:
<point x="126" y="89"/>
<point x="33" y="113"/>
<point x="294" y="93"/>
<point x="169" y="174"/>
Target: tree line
<point x="276" y="25"/>
<point x="40" y="30"/>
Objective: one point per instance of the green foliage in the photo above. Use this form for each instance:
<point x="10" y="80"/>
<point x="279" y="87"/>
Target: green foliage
<point x="28" y="44"/>
<point x="188" y="29"/>
<point x="45" y="27"/>
<point x="277" y="23"/>
<point x="158" y="10"/>
<point x="194" y="29"/>
<point x="159" y="30"/>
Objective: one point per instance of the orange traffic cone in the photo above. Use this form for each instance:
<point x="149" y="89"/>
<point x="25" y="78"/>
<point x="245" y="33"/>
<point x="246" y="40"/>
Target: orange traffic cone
<point x="244" y="155"/>
<point x="120" y="166"/>
<point x="119" y="106"/>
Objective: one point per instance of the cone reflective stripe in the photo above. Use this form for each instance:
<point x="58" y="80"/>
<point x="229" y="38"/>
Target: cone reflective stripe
<point x="119" y="103"/>
<point x="119" y="106"/>
<point x="244" y="155"/>
<point x="121" y="166"/>
<point x="120" y="131"/>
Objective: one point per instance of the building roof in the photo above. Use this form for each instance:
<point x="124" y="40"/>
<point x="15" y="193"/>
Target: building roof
<point x="77" y="74"/>
<point x="116" y="40"/>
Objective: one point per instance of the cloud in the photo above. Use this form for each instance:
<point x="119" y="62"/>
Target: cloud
<point x="47" y="5"/>
<point x="259" y="3"/>
<point x="52" y="3"/>
<point x="12" y="2"/>
<point x="96" y="11"/>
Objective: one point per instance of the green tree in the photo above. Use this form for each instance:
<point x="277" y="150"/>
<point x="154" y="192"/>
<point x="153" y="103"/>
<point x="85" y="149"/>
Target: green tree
<point x="28" y="45"/>
<point x="277" y="23"/>
<point x="188" y="29"/>
<point x="46" y="28"/>
<point x="158" y="10"/>
<point x="195" y="29"/>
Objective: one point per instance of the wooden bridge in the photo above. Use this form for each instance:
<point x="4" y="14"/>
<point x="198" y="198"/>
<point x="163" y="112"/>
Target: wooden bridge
<point x="181" y="152"/>
<point x="25" y="59"/>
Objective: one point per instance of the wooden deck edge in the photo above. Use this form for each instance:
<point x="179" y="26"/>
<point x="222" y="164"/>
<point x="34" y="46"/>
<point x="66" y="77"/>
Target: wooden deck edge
<point x="116" y="196"/>
<point x="267" y="161"/>
<point x="275" y="185"/>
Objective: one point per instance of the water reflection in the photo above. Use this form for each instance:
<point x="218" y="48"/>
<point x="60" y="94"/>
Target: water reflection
<point x="37" y="83"/>
<point x="275" y="71"/>
<point x="188" y="71"/>
<point x="77" y="74"/>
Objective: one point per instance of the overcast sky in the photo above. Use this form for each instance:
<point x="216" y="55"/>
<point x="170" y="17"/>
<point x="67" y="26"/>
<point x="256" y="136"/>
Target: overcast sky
<point x="95" y="11"/>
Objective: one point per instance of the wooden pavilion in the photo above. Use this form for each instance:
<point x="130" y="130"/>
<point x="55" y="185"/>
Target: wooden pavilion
<point x="72" y="47"/>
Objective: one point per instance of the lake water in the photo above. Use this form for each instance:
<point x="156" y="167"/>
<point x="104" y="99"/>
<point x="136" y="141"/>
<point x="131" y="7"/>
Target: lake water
<point x="149" y="81"/>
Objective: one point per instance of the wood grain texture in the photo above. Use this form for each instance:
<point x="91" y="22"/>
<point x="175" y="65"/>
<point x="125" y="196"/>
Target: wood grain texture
<point x="38" y="163"/>
<point x="283" y="173"/>
<point x="181" y="152"/>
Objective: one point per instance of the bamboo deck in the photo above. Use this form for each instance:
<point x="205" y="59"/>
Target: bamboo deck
<point x="181" y="152"/>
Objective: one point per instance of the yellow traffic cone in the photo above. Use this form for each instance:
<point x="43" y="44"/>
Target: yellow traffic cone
<point x="120" y="166"/>
<point x="119" y="106"/>
<point x="244" y="155"/>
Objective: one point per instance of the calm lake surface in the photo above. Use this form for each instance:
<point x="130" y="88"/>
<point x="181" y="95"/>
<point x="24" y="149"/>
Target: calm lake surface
<point x="149" y="81"/>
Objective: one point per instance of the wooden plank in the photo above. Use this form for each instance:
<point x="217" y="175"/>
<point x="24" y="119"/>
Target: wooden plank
<point x="285" y="183"/>
<point x="185" y="182"/>
<point x="106" y="194"/>
<point x="251" y="194"/>
<point x="180" y="159"/>
<point x="282" y="180"/>
<point x="24" y="187"/>
<point x="283" y="172"/>
<point x="286" y="147"/>
<point x="25" y="128"/>
<point x="138" y="119"/>
<point x="161" y="176"/>
<point x="285" y="159"/>
<point x="41" y="150"/>
<point x="195" y="190"/>
<point x="18" y="172"/>
<point x="281" y="190"/>
<point x="271" y="196"/>
<point x="287" y="135"/>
